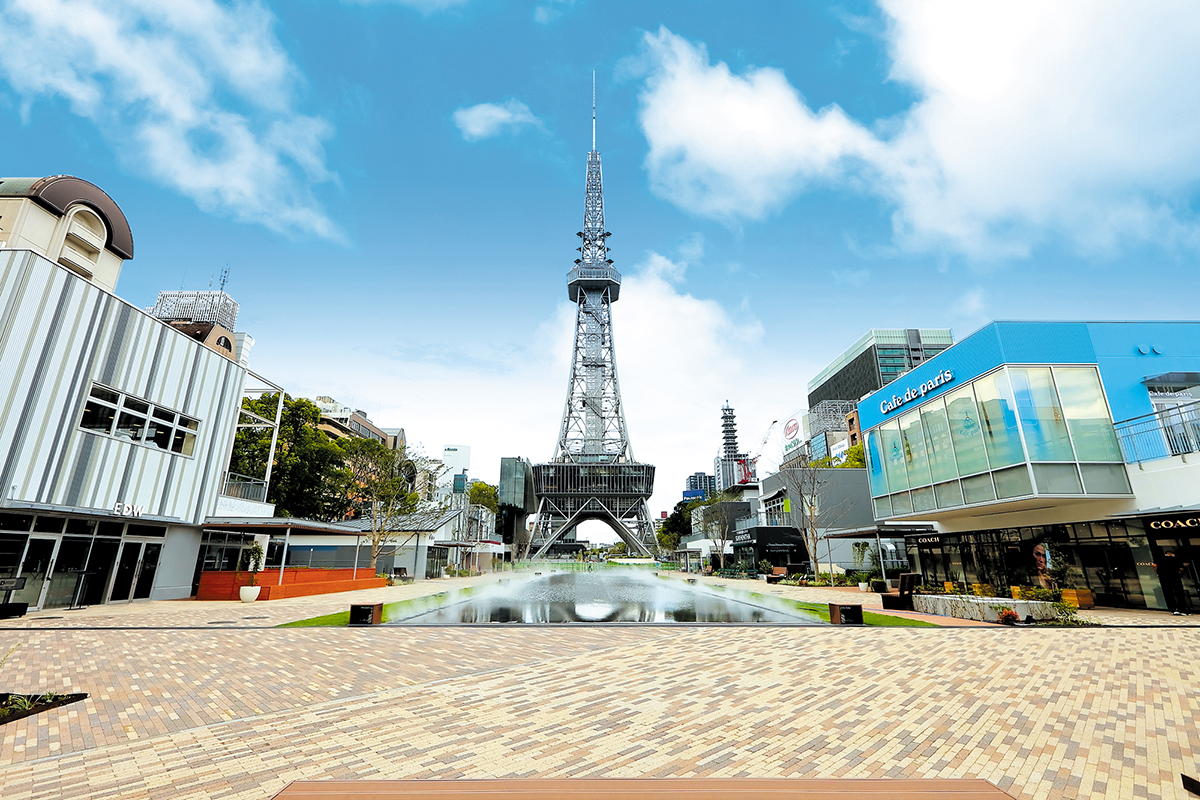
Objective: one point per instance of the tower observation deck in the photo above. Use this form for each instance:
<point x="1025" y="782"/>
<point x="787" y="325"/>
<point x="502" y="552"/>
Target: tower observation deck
<point x="593" y="475"/>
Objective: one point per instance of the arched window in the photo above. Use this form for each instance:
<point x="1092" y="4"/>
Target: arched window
<point x="83" y="240"/>
<point x="223" y="341"/>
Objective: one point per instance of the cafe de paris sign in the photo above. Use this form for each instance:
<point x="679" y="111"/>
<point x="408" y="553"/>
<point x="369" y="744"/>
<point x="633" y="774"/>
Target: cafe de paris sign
<point x="915" y="392"/>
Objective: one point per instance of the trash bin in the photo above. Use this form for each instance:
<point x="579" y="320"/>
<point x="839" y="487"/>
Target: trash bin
<point x="366" y="614"/>
<point x="845" y="614"/>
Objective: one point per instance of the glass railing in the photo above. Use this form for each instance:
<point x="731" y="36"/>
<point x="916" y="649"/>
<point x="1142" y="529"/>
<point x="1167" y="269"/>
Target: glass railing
<point x="1168" y="432"/>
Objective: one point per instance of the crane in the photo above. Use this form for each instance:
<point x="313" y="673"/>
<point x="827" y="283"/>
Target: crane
<point x="750" y="465"/>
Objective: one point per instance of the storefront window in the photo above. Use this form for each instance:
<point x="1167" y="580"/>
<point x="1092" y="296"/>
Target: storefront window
<point x="1087" y="414"/>
<point x="998" y="420"/>
<point x="913" y="441"/>
<point x="1041" y="416"/>
<point x="965" y="432"/>
<point x="875" y="465"/>
<point x="937" y="440"/>
<point x="893" y="456"/>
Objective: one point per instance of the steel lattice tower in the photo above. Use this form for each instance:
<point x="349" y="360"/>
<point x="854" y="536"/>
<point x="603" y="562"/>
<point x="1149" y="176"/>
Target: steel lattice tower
<point x="593" y="474"/>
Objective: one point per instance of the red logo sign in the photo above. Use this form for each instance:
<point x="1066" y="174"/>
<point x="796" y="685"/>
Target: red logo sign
<point x="791" y="429"/>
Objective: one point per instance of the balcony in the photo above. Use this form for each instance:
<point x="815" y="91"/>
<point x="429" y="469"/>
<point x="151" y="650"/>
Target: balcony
<point x="1169" y="432"/>
<point x="243" y="487"/>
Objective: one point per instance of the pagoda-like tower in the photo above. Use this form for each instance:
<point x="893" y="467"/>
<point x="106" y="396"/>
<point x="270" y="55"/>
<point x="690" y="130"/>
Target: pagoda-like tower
<point x="593" y="474"/>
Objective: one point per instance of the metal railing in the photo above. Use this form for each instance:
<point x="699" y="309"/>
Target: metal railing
<point x="244" y="487"/>
<point x="1168" y="432"/>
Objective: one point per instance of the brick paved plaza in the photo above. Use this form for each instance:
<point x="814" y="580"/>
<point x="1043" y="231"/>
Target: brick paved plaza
<point x="212" y="712"/>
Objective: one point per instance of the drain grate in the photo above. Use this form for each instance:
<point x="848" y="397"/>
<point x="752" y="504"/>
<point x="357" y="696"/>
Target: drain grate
<point x="223" y="622"/>
<point x="255" y="617"/>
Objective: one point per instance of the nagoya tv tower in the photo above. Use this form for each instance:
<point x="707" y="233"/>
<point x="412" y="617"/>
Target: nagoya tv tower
<point x="593" y="474"/>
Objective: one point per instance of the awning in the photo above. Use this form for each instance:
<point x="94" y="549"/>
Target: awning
<point x="1158" y="512"/>
<point x="280" y="524"/>
<point x="772" y="495"/>
<point x="1173" y="379"/>
<point x="882" y="531"/>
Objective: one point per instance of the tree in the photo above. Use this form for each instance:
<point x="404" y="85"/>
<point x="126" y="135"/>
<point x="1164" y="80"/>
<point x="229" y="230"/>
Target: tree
<point x="383" y="486"/>
<point x="307" y="477"/>
<point x="677" y="526"/>
<point x="483" y="494"/>
<point x="806" y="483"/>
<point x="853" y="459"/>
<point x="720" y="514"/>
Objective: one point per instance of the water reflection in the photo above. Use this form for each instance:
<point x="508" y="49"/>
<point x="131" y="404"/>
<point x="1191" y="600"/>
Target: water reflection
<point x="602" y="597"/>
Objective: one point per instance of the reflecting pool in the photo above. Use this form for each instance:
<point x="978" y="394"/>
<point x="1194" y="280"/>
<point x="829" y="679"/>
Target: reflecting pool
<point x="605" y="596"/>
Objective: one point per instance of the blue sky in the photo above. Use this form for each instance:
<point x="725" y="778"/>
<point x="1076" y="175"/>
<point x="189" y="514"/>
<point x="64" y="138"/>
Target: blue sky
<point x="395" y="186"/>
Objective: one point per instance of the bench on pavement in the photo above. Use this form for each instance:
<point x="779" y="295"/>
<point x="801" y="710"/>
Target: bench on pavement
<point x="777" y="574"/>
<point x="649" y="789"/>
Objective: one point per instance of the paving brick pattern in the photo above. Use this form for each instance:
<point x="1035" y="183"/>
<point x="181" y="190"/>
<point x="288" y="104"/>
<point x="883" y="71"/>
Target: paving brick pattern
<point x="237" y="713"/>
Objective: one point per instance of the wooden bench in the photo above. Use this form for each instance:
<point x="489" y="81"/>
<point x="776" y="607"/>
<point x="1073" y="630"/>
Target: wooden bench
<point x="649" y="789"/>
<point x="777" y="574"/>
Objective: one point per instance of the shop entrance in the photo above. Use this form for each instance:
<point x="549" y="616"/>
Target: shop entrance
<point x="35" y="568"/>
<point x="1185" y="551"/>
<point x="135" y="571"/>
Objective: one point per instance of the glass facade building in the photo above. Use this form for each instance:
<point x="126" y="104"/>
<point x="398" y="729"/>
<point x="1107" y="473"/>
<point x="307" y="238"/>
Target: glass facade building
<point x="1018" y="431"/>
<point x="1028" y="442"/>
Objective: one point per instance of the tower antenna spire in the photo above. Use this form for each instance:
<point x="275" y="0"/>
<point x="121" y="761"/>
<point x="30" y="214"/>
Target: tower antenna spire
<point x="593" y="109"/>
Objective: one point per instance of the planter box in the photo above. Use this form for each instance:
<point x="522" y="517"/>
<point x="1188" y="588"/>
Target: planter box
<point x="1080" y="598"/>
<point x="980" y="608"/>
<point x="38" y="707"/>
<point x="297" y="582"/>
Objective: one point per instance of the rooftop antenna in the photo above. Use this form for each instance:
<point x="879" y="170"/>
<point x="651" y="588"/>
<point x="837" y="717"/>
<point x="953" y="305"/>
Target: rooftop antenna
<point x="224" y="277"/>
<point x="593" y="109"/>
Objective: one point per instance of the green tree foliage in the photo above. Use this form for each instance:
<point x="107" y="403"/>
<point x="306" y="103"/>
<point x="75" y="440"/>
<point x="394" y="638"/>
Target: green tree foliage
<point x="382" y="487"/>
<point x="854" y="459"/>
<point x="308" y="477"/>
<point x="677" y="526"/>
<point x="484" y="494"/>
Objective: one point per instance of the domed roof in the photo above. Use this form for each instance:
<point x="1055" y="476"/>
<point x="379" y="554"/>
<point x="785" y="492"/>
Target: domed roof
<point x="58" y="193"/>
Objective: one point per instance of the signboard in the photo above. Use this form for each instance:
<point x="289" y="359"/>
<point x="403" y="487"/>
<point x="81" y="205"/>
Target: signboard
<point x="1181" y="524"/>
<point x="793" y="434"/>
<point x="12" y="584"/>
<point x="693" y="494"/>
<point x="915" y="392"/>
<point x="743" y="537"/>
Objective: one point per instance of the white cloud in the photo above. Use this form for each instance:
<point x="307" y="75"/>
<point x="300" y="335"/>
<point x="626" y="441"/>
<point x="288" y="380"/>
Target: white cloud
<point x="551" y="10"/>
<point x="486" y="120"/>
<point x="730" y="146"/>
<point x="1032" y="120"/>
<point x="198" y="95"/>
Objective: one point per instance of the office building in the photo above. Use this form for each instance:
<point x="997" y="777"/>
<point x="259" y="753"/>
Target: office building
<point x="701" y="482"/>
<point x="874" y="361"/>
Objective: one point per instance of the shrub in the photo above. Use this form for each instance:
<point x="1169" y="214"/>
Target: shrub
<point x="1006" y="616"/>
<point x="1040" y="594"/>
<point x="766" y="567"/>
